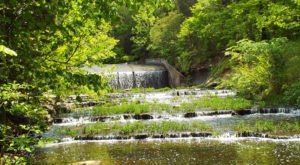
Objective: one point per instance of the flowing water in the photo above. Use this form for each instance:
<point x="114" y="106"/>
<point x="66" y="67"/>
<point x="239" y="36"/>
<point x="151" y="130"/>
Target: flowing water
<point x="224" y="148"/>
<point x="198" y="151"/>
<point x="128" y="76"/>
<point x="173" y="97"/>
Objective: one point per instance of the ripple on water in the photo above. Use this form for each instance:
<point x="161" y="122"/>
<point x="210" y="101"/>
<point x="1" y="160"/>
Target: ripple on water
<point x="194" y="151"/>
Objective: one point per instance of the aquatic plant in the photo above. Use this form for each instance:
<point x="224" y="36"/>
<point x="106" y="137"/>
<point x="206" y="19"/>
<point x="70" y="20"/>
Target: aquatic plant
<point x="133" y="108"/>
<point x="216" y="103"/>
<point x="270" y="127"/>
<point x="131" y="128"/>
<point x="137" y="107"/>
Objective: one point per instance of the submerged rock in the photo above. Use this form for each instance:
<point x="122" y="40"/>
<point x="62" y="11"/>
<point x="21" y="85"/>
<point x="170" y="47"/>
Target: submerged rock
<point x="173" y="135"/>
<point x="101" y="119"/>
<point x="251" y="134"/>
<point x="140" y="136"/>
<point x="201" y="134"/>
<point x="143" y="116"/>
<point x="186" y="134"/>
<point x="243" y="112"/>
<point x="190" y="114"/>
<point x="158" y="136"/>
<point x="274" y="110"/>
<point x="88" y="103"/>
<point x="212" y="113"/>
<point x="108" y="137"/>
<point x="126" y="117"/>
<point x="261" y="135"/>
<point x="57" y="120"/>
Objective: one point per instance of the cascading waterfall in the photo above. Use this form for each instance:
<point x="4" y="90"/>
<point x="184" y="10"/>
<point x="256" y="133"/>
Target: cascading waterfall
<point x="139" y="79"/>
<point x="128" y="76"/>
<point x="201" y="126"/>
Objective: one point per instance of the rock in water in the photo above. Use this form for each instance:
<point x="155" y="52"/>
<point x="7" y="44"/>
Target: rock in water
<point x="243" y="112"/>
<point x="140" y="136"/>
<point x="190" y="114"/>
<point x="90" y="162"/>
<point x="143" y="117"/>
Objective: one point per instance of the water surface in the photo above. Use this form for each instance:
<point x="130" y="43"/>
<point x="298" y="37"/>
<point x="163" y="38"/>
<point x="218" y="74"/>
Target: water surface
<point x="173" y="152"/>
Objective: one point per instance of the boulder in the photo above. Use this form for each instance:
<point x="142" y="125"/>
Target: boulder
<point x="140" y="136"/>
<point x="158" y="136"/>
<point x="190" y="114"/>
<point x="92" y="103"/>
<point x="250" y="134"/>
<point x="212" y="113"/>
<point x="126" y="117"/>
<point x="173" y="135"/>
<point x="143" y="116"/>
<point x="100" y="119"/>
<point x="201" y="134"/>
<point x="185" y="134"/>
<point x="58" y="120"/>
<point x="243" y="112"/>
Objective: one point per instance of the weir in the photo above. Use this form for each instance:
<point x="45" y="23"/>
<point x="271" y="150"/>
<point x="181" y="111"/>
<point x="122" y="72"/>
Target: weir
<point x="128" y="76"/>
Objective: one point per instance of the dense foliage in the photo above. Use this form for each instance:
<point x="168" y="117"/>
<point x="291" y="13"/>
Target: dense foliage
<point x="258" y="67"/>
<point x="260" y="39"/>
<point x="216" y="24"/>
<point x="43" y="45"/>
<point x="22" y="120"/>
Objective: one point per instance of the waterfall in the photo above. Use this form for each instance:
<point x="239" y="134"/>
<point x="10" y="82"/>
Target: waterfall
<point x="139" y="79"/>
<point x="128" y="76"/>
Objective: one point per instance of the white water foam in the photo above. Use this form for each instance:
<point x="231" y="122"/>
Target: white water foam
<point x="178" y="140"/>
<point x="157" y="118"/>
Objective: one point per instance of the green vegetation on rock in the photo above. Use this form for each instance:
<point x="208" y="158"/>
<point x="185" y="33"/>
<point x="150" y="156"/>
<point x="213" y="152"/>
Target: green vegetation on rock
<point x="216" y="103"/>
<point x="270" y="127"/>
<point x="198" y="104"/>
<point x="132" y="128"/>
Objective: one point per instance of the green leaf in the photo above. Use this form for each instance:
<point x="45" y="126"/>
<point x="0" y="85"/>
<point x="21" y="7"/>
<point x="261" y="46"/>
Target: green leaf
<point x="28" y="149"/>
<point x="7" y="51"/>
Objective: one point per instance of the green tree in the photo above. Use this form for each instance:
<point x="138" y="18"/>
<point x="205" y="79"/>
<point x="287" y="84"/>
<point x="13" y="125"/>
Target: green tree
<point x="217" y="24"/>
<point x="53" y="40"/>
<point x="163" y="36"/>
<point x="144" y="20"/>
<point x="258" y="68"/>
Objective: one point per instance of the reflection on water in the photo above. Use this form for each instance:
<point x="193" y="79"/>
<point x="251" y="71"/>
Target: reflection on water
<point x="170" y="152"/>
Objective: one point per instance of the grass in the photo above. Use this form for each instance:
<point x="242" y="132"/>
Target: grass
<point x="151" y="128"/>
<point x="216" y="103"/>
<point x="124" y="108"/>
<point x="203" y="103"/>
<point x="45" y="140"/>
<point x="270" y="127"/>
<point x="131" y="128"/>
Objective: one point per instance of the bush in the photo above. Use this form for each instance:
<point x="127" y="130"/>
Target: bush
<point x="21" y="120"/>
<point x="258" y="68"/>
<point x="292" y="94"/>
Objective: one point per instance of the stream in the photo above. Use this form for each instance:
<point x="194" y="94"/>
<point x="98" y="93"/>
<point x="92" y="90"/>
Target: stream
<point x="200" y="151"/>
<point x="225" y="145"/>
